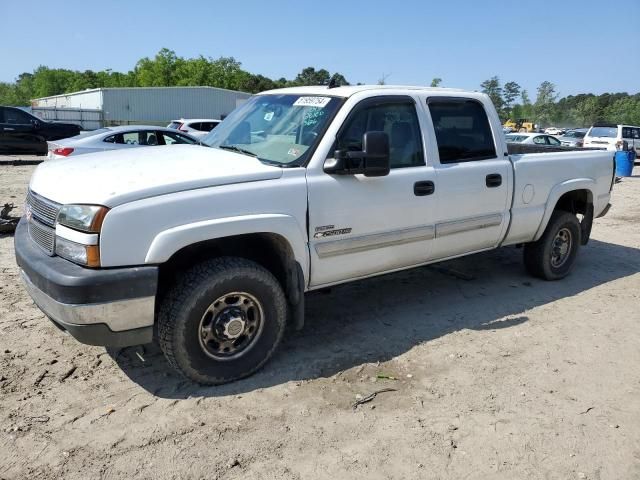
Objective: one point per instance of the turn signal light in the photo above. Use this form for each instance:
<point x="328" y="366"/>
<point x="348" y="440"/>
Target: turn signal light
<point x="93" y="255"/>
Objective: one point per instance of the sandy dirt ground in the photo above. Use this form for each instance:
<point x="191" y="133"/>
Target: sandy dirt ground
<point x="496" y="375"/>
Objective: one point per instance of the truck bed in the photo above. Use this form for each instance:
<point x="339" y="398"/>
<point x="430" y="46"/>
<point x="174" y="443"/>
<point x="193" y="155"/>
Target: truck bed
<point x="539" y="170"/>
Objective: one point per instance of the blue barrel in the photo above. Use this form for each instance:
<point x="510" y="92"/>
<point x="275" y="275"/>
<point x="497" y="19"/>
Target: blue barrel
<point x="624" y="163"/>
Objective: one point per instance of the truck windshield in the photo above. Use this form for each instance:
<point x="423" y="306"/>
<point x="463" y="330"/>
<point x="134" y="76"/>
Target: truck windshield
<point x="277" y="129"/>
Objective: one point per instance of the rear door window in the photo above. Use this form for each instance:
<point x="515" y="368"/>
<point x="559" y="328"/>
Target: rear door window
<point x="462" y="130"/>
<point x="146" y="137"/>
<point x="607" y="132"/>
<point x="171" y="138"/>
<point x="539" y="140"/>
<point x="207" y="126"/>
<point x="16" y="117"/>
<point x="129" y="138"/>
<point x="632" y="133"/>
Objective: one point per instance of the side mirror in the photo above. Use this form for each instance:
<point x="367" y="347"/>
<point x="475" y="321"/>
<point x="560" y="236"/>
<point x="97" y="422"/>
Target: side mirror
<point x="372" y="161"/>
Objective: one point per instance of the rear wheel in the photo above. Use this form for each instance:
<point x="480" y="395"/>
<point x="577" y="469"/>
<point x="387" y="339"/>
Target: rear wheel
<point x="222" y="320"/>
<point x="553" y="255"/>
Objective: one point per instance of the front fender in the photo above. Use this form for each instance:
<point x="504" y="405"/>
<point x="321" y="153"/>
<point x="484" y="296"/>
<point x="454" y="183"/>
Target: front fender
<point x="560" y="189"/>
<point x="168" y="242"/>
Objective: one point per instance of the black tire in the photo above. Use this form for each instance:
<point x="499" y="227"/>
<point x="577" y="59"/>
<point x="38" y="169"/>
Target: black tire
<point x="540" y="258"/>
<point x="183" y="311"/>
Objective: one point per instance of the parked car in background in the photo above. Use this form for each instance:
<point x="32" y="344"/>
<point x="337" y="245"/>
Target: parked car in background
<point x="533" y="138"/>
<point x="196" y="127"/>
<point x="21" y="132"/>
<point x="612" y="137"/>
<point x="554" y="131"/>
<point x="114" y="138"/>
<point x="573" y="138"/>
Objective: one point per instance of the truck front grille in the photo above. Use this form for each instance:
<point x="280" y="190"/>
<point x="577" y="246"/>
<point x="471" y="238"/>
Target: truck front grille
<point x="41" y="234"/>
<point x="41" y="220"/>
<point x="43" y="209"/>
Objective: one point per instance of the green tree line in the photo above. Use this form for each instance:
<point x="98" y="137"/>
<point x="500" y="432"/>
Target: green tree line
<point x="168" y="69"/>
<point x="581" y="110"/>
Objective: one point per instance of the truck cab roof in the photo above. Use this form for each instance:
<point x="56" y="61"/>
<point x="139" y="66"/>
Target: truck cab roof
<point x="347" y="91"/>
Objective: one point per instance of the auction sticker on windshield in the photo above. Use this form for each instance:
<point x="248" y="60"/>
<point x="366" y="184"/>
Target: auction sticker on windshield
<point x="320" y="102"/>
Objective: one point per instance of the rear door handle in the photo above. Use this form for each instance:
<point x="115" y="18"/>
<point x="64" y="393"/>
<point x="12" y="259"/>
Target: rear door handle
<point x="420" y="189"/>
<point x="494" y="180"/>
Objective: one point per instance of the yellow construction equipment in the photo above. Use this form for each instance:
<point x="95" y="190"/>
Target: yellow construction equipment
<point x="520" y="125"/>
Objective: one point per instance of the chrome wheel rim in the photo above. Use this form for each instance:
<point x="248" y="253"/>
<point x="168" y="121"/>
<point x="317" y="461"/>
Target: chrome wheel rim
<point x="231" y="326"/>
<point x="561" y="247"/>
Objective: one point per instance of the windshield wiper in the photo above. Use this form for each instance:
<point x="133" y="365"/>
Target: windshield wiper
<point x="235" y="148"/>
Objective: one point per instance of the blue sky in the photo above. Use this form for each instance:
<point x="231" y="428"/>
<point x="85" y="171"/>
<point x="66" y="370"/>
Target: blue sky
<point x="586" y="46"/>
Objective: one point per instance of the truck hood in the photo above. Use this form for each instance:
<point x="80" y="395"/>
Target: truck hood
<point x="119" y="176"/>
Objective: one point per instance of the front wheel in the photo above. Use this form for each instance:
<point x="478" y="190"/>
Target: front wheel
<point x="222" y="320"/>
<point x="553" y="255"/>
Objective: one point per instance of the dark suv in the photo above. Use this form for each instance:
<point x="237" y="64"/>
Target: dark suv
<point x="21" y="132"/>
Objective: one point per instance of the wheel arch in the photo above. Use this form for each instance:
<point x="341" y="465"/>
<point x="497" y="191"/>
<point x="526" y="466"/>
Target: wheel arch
<point x="284" y="227"/>
<point x="575" y="196"/>
<point x="179" y="249"/>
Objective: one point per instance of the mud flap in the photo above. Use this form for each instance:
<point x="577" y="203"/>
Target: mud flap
<point x="586" y="224"/>
<point x="295" y="296"/>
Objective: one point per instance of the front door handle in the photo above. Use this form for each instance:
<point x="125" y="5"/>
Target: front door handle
<point x="420" y="189"/>
<point x="494" y="180"/>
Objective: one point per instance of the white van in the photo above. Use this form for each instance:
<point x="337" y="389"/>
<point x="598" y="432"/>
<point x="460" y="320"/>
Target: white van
<point x="609" y="136"/>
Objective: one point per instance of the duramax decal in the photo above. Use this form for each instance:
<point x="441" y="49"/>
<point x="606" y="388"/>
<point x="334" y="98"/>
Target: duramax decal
<point x="321" y="232"/>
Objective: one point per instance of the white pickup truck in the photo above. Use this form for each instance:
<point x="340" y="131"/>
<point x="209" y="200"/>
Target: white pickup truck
<point x="210" y="249"/>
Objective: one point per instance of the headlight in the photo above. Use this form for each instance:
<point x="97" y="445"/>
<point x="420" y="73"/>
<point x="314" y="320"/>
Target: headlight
<point x="88" y="255"/>
<point x="77" y="232"/>
<point x="86" y="218"/>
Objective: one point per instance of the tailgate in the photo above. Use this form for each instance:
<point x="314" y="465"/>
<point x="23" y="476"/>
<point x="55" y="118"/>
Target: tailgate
<point x="601" y="142"/>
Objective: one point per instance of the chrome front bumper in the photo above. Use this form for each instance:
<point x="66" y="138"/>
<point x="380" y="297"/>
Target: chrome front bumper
<point x="118" y="324"/>
<point x="111" y="307"/>
<point x="118" y="315"/>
